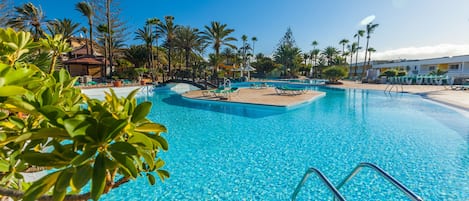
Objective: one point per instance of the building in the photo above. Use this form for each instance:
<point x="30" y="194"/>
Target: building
<point x="456" y="66"/>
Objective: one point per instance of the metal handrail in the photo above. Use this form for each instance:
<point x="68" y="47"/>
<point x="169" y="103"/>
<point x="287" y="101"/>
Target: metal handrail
<point x="384" y="174"/>
<point x="323" y="178"/>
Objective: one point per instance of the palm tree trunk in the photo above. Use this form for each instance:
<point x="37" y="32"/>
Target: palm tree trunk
<point x="356" y="56"/>
<point x="109" y="28"/>
<point x="366" y="53"/>
<point x="91" y="38"/>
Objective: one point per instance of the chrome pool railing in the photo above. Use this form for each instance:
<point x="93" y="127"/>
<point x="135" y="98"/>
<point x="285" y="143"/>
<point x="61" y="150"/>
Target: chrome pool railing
<point x="323" y="178"/>
<point x="411" y="195"/>
<point x="335" y="190"/>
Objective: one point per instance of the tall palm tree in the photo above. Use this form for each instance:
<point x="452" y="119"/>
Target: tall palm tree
<point x="87" y="10"/>
<point x="66" y="27"/>
<point x="359" y="34"/>
<point x="29" y="17"/>
<point x="153" y="21"/>
<point x="188" y="39"/>
<point x="370" y="28"/>
<point x="102" y="29"/>
<point x="353" y="48"/>
<point x="144" y="34"/>
<point x="168" y="28"/>
<point x="314" y="53"/>
<point x="329" y="52"/>
<point x="343" y="42"/>
<point x="370" y="50"/>
<point x="217" y="35"/>
<point x="254" y="40"/>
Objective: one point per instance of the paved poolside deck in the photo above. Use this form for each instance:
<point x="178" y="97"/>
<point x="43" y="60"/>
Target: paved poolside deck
<point x="261" y="96"/>
<point x="454" y="98"/>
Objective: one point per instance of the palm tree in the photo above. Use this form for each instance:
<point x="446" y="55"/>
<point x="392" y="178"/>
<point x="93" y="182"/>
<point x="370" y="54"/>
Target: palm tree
<point x="144" y="34"/>
<point x="28" y="16"/>
<point x="168" y="29"/>
<point x="370" y="28"/>
<point x="329" y="52"/>
<point x="65" y="27"/>
<point x="359" y="34"/>
<point x="136" y="55"/>
<point x="217" y="35"/>
<point x="254" y="40"/>
<point x="343" y="42"/>
<point x="87" y="11"/>
<point x="352" y="50"/>
<point x="370" y="50"/>
<point x="188" y="39"/>
<point x="153" y="21"/>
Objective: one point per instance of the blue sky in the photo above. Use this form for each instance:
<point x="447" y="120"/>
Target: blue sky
<point x="407" y="28"/>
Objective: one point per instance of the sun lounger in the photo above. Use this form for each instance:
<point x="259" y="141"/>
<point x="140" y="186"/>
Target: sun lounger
<point x="289" y="91"/>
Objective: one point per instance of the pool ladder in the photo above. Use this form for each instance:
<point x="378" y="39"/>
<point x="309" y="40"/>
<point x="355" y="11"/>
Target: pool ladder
<point x="335" y="190"/>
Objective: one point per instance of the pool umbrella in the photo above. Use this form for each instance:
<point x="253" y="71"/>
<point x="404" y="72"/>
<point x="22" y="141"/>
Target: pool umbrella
<point x="248" y="68"/>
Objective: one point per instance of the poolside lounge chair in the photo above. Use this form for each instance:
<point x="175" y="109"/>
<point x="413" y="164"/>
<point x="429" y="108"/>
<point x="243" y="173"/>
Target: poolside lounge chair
<point x="289" y="91"/>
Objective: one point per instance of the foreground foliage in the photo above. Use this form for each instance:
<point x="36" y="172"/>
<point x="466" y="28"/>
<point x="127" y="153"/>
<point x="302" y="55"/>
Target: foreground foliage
<point x="47" y="124"/>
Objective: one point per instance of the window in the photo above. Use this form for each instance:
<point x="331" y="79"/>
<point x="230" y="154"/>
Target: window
<point x="454" y="67"/>
<point x="432" y="68"/>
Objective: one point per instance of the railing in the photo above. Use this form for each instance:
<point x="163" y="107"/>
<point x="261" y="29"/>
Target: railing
<point x="323" y="178"/>
<point x="388" y="177"/>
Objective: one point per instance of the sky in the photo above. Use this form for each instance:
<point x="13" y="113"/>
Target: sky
<point x="408" y="29"/>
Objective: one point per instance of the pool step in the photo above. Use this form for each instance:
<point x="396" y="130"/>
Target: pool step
<point x="335" y="189"/>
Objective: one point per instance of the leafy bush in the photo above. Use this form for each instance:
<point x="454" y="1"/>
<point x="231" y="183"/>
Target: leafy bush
<point x="47" y="124"/>
<point x="438" y="72"/>
<point x="335" y="73"/>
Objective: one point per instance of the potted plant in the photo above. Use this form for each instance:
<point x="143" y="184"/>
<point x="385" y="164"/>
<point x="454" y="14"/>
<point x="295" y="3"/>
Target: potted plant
<point x="140" y="72"/>
<point x="117" y="82"/>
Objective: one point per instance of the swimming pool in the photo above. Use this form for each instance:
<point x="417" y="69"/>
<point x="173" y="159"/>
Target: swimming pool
<point x="237" y="152"/>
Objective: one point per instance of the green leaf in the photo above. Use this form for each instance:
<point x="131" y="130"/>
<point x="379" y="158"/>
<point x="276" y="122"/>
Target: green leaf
<point x="86" y="155"/>
<point x="43" y="159"/>
<point x="141" y="140"/>
<point x="81" y="178"/>
<point x="6" y="91"/>
<point x="52" y="112"/>
<point x="126" y="163"/>
<point x="117" y="127"/>
<point x="51" y="132"/>
<point x="4" y="166"/>
<point x="141" y="111"/>
<point x="123" y="148"/>
<point x="151" y="127"/>
<point x="99" y="177"/>
<point x="60" y="188"/>
<point x="163" y="174"/>
<point x="161" y="141"/>
<point x="3" y="137"/>
<point x="3" y="115"/>
<point x="133" y="93"/>
<point x="151" y="179"/>
<point x="40" y="186"/>
<point x="76" y="126"/>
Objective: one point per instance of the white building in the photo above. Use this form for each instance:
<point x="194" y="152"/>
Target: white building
<point x="457" y="66"/>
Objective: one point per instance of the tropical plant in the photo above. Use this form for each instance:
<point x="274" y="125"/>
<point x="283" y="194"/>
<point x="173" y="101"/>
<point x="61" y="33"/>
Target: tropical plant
<point x="353" y="48"/>
<point x="343" y="42"/>
<point x="66" y="27"/>
<point x="335" y="73"/>
<point x="217" y="35"/>
<point x="188" y="39"/>
<point x="47" y="124"/>
<point x="359" y="34"/>
<point x="28" y="18"/>
<point x="14" y="46"/>
<point x="254" y="40"/>
<point x="438" y="72"/>
<point x="389" y="73"/>
<point x="370" y="50"/>
<point x="56" y="45"/>
<point x="154" y="21"/>
<point x="4" y="11"/>
<point x="370" y="28"/>
<point x="168" y="28"/>
<point x="145" y="35"/>
<point x="287" y="53"/>
<point x="314" y="55"/>
<point x="87" y="10"/>
<point x="330" y="52"/>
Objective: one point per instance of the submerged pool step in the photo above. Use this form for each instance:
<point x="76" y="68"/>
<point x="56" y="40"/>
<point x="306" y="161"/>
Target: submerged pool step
<point x="335" y="190"/>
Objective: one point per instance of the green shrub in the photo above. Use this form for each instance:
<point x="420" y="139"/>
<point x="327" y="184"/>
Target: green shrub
<point x="335" y="73"/>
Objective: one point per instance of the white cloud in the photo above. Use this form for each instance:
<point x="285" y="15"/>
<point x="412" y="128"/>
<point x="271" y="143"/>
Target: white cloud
<point x="423" y="52"/>
<point x="367" y="20"/>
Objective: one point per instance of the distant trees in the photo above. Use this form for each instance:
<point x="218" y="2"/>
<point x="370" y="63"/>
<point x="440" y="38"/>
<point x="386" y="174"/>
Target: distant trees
<point x="287" y="53"/>
<point x="218" y="35"/>
<point x="30" y="18"/>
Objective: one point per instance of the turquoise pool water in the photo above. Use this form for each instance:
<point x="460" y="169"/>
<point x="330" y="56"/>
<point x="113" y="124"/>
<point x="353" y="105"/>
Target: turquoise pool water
<point x="238" y="152"/>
